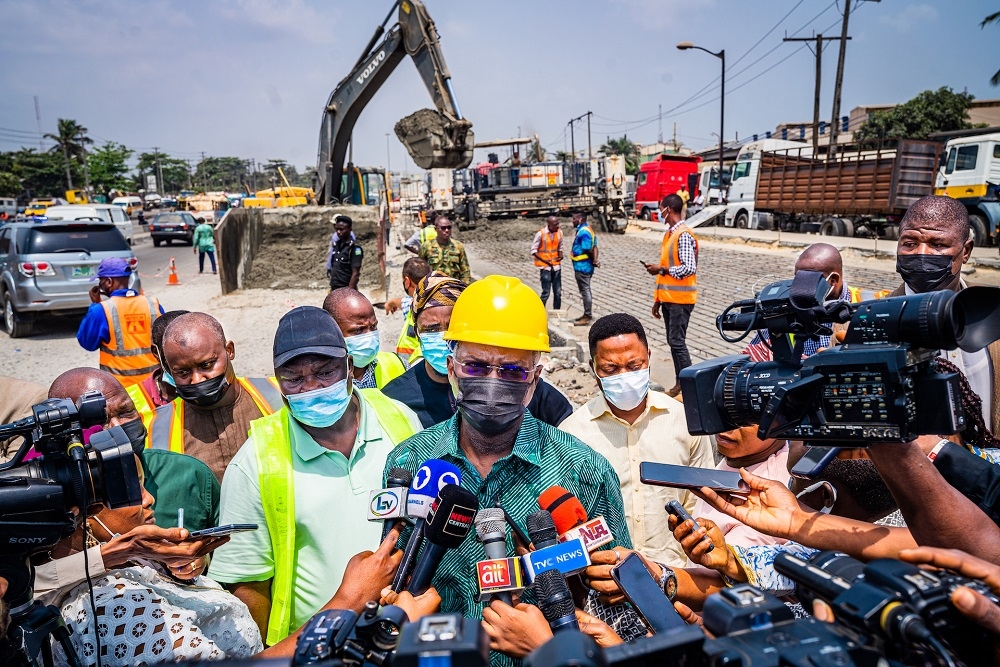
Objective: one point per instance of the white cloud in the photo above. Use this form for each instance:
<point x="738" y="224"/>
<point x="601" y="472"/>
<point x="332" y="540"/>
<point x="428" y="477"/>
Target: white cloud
<point x="911" y="17"/>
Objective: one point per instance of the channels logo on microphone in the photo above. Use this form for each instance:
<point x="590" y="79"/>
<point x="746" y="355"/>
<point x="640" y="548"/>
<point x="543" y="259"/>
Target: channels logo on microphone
<point x="387" y="504"/>
<point x="500" y="575"/>
<point x="569" y="557"/>
<point x="594" y="534"/>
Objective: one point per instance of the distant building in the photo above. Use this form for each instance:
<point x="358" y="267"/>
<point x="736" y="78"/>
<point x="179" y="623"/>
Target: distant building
<point x="650" y="151"/>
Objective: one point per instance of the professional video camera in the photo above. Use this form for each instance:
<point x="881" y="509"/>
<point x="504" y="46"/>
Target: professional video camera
<point x="881" y="385"/>
<point x="43" y="500"/>
<point x="906" y="607"/>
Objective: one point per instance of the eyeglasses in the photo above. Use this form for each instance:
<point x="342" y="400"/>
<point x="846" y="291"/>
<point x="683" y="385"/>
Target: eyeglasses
<point x="444" y="227"/>
<point x="477" y="369"/>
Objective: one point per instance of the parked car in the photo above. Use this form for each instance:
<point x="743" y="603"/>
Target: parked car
<point x="37" y="207"/>
<point x="169" y="227"/>
<point x="151" y="201"/>
<point x="50" y="266"/>
<point x="168" y="203"/>
<point x="98" y="212"/>
<point x="130" y="204"/>
<point x="8" y="208"/>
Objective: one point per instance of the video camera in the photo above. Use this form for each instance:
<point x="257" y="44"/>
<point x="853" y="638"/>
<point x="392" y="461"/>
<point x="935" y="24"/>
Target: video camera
<point x="881" y="385"/>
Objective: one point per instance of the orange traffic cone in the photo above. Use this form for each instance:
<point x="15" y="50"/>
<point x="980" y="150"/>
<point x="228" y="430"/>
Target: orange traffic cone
<point x="172" y="279"/>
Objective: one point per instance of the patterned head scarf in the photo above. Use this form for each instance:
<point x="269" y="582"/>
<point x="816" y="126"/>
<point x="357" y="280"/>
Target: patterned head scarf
<point x="436" y="289"/>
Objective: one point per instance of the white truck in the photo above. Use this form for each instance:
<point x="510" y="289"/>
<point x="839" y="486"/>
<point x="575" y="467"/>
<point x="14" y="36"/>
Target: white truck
<point x="970" y="172"/>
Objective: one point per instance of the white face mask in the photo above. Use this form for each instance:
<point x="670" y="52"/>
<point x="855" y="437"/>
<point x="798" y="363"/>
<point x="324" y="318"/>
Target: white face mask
<point x="626" y="391"/>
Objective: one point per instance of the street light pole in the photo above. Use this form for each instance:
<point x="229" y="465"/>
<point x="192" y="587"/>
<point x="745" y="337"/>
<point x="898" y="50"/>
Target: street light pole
<point x="721" y="55"/>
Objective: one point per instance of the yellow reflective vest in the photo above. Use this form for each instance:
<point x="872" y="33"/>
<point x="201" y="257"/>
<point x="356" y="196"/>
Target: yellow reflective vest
<point x="388" y="367"/>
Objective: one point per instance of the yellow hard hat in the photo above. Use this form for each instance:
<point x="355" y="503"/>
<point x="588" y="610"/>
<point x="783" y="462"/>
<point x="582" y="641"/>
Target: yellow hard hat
<point x="500" y="311"/>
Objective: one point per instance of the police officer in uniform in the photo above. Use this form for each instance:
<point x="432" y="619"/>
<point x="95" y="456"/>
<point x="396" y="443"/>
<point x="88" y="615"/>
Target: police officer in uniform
<point x="343" y="264"/>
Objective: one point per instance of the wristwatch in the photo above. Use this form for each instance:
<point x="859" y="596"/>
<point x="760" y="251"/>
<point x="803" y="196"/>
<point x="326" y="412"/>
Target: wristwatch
<point x="662" y="271"/>
<point x="668" y="581"/>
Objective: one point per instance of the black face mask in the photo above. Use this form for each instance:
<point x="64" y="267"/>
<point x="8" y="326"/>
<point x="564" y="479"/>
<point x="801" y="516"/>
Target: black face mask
<point x="490" y="405"/>
<point x="925" y="273"/>
<point x="136" y="432"/>
<point x="208" y="392"/>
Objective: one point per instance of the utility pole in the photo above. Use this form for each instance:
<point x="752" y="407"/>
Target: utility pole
<point x="818" y="52"/>
<point x="38" y="119"/>
<point x="204" y="175"/>
<point x="572" y="140"/>
<point x="590" y="151"/>
<point x="675" y="137"/>
<point x="659" y="113"/>
<point x="159" y="171"/>
<point x="835" y="128"/>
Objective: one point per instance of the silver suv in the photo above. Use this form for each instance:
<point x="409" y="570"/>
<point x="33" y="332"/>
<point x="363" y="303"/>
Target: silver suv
<point x="51" y="266"/>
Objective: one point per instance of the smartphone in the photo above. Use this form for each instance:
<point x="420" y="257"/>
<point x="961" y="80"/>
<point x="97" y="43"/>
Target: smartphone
<point x="687" y="477"/>
<point x="675" y="508"/>
<point x="221" y="531"/>
<point x="813" y="462"/>
<point x="646" y="595"/>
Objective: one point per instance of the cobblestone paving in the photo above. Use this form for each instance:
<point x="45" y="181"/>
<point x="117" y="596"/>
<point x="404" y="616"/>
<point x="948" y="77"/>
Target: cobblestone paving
<point x="726" y="273"/>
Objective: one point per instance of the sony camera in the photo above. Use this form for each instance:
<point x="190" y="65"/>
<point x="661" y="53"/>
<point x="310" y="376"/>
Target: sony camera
<point x="881" y="385"/>
<point x="902" y="604"/>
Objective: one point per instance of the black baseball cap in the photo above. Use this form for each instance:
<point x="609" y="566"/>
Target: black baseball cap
<point x="307" y="330"/>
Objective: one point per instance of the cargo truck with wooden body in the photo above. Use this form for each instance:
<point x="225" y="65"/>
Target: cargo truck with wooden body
<point x="782" y="185"/>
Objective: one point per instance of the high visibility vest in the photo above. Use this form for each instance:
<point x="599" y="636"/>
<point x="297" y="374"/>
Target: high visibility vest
<point x="388" y="368"/>
<point x="670" y="289"/>
<point x="428" y="233"/>
<point x="272" y="443"/>
<point x="858" y="295"/>
<point x="549" y="248"/>
<point x="143" y="405"/>
<point x="166" y="430"/>
<point x="408" y="343"/>
<point x="127" y="355"/>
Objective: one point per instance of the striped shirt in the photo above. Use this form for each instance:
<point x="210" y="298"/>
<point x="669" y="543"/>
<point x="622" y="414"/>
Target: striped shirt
<point x="687" y="253"/>
<point x="543" y="456"/>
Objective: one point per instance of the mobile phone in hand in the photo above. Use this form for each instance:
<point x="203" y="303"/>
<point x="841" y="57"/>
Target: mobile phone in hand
<point x="675" y="508"/>
<point x="688" y="477"/>
<point x="222" y="531"/>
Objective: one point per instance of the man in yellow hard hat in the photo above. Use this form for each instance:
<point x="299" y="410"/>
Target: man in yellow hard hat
<point x="499" y="329"/>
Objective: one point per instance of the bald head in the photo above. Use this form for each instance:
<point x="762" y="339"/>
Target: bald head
<point x="195" y="348"/>
<point x="352" y="311"/>
<point x="933" y="226"/>
<point x="943" y="214"/>
<point x="821" y="257"/>
<point x="77" y="381"/>
<point x="189" y="327"/>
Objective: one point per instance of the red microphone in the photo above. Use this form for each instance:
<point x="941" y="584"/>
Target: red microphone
<point x="571" y="519"/>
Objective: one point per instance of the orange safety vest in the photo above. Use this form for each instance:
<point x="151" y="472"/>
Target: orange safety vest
<point x="127" y="355"/>
<point x="670" y="289"/>
<point x="858" y="295"/>
<point x="549" y="248"/>
<point x="166" y="429"/>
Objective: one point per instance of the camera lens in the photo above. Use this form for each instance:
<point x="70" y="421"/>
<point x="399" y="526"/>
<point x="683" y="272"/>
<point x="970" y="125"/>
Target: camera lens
<point x="839" y="565"/>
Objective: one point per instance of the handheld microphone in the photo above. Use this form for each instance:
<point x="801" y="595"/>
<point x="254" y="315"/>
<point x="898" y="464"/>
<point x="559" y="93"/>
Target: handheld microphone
<point x="568" y="557"/>
<point x="491" y="527"/>
<point x="448" y="522"/>
<point x="431" y="477"/>
<point x="555" y="601"/>
<point x="541" y="529"/>
<point x="571" y="519"/>
<point x="389" y="503"/>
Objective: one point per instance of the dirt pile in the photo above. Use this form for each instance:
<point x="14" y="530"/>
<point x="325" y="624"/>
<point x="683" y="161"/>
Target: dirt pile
<point x="295" y="244"/>
<point x="418" y="123"/>
<point x="496" y="236"/>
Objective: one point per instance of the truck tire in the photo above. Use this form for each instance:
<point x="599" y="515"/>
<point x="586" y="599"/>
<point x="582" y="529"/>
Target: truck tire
<point x="979" y="229"/>
<point x="832" y="227"/>
<point x="17" y="325"/>
<point x="646" y="214"/>
<point x="742" y="220"/>
<point x="890" y="232"/>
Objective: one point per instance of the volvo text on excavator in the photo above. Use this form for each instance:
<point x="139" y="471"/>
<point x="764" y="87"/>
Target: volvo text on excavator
<point x="441" y="138"/>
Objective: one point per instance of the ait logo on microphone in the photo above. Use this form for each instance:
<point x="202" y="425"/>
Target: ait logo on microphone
<point x="499" y="575"/>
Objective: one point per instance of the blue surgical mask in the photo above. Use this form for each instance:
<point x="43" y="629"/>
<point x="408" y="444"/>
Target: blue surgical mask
<point x="363" y="347"/>
<point x="321" y="407"/>
<point x="625" y="391"/>
<point x="436" y="350"/>
<point x="167" y="378"/>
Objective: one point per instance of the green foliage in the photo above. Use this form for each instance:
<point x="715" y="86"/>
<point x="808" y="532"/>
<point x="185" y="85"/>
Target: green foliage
<point x="220" y="173"/>
<point x="627" y="149"/>
<point x="176" y="174"/>
<point x="940" y="110"/>
<point x="992" y="18"/>
<point x="40" y="174"/>
<point x="71" y="142"/>
<point x="10" y="185"/>
<point x="109" y="167"/>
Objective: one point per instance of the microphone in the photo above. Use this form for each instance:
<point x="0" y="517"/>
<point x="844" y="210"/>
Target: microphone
<point x="431" y="477"/>
<point x="541" y="529"/>
<point x="491" y="527"/>
<point x="389" y="503"/>
<point x="448" y="522"/>
<point x="556" y="602"/>
<point x="568" y="557"/>
<point x="571" y="519"/>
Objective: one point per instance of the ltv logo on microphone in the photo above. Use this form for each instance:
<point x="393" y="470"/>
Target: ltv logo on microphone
<point x="500" y="575"/>
<point x="387" y="504"/>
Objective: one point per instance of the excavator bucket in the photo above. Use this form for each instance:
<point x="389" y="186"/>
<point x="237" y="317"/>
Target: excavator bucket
<point x="434" y="141"/>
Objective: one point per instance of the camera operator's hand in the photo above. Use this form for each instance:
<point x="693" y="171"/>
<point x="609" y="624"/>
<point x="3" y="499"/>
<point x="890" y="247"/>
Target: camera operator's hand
<point x="768" y="507"/>
<point x="696" y="545"/>
<point x="515" y="631"/>
<point x="169" y="546"/>
<point x="369" y="572"/>
<point x="414" y="606"/>
<point x="969" y="602"/>
<point x="598" y="574"/>
<point x="598" y="630"/>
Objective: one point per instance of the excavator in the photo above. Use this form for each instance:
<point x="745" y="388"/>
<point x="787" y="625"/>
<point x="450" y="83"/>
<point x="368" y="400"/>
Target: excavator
<point x="434" y="139"/>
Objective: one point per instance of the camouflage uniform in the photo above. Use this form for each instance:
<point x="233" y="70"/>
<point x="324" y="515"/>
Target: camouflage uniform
<point x="448" y="259"/>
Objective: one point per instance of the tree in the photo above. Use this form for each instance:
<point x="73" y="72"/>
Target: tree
<point x="40" y="174"/>
<point x="562" y="156"/>
<point x="220" y="173"/>
<point x="992" y="18"/>
<point x="10" y="185"/>
<point x="175" y="172"/>
<point x="71" y="140"/>
<point x="940" y="110"/>
<point x="109" y="167"/>
<point x="627" y="149"/>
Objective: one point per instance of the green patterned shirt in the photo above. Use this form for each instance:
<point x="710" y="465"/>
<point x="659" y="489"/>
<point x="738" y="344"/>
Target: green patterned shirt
<point x="543" y="456"/>
<point x="449" y="259"/>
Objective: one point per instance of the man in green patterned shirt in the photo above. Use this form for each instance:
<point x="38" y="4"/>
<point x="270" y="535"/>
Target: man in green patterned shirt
<point x="499" y="328"/>
<point x="445" y="254"/>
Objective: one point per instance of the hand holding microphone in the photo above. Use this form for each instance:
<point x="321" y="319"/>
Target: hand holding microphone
<point x="448" y="523"/>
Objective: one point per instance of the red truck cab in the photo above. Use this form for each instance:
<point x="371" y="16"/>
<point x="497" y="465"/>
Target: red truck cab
<point x="664" y="176"/>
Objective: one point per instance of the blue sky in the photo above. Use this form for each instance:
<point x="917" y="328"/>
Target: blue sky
<point x="250" y="77"/>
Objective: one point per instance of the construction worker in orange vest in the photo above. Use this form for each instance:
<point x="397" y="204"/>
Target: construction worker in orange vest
<point x="121" y="326"/>
<point x="676" y="282"/>
<point x="547" y="251"/>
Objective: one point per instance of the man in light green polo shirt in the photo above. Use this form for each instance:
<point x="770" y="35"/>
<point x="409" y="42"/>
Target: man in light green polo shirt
<point x="320" y="455"/>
